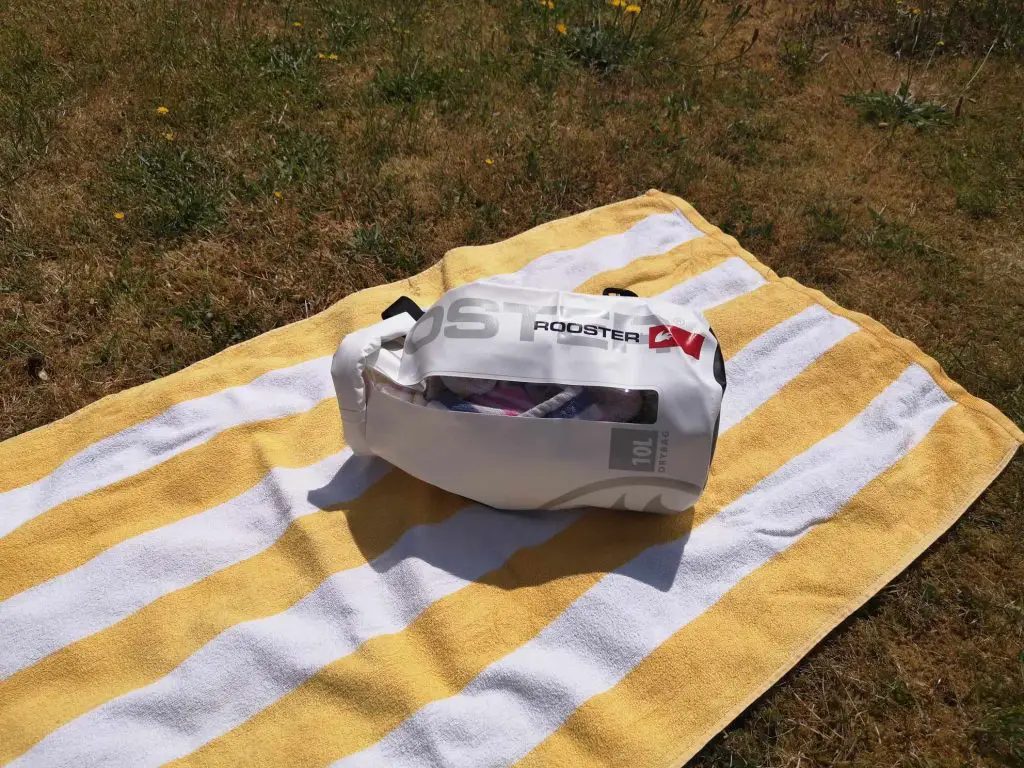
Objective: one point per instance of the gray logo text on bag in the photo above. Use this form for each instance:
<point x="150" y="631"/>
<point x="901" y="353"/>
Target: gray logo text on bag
<point x="637" y="450"/>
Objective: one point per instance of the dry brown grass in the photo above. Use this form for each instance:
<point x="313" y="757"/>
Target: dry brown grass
<point x="380" y="161"/>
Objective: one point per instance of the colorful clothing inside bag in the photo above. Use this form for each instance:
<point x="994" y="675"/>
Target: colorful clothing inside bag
<point x="543" y="401"/>
<point x="528" y="400"/>
<point x="511" y="399"/>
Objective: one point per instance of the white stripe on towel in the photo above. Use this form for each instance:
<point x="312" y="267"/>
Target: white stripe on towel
<point x="658" y="233"/>
<point x="729" y="280"/>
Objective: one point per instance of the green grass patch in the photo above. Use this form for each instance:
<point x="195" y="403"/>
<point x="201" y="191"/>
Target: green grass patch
<point x="747" y="225"/>
<point x="926" y="28"/>
<point x="603" y="47"/>
<point x="742" y="140"/>
<point x="749" y="89"/>
<point x="343" y="25"/>
<point x="31" y="90"/>
<point x="167" y="191"/>
<point x="795" y="56"/>
<point x="986" y="174"/>
<point x="269" y="71"/>
<point x="827" y="224"/>
<point x="979" y="202"/>
<point x="410" y="83"/>
<point x="382" y="246"/>
<point x="900" y="107"/>
<point x="936" y="273"/>
<point x="126" y="281"/>
<point x="888" y="235"/>
<point x="293" y="155"/>
<point x="607" y="36"/>
<point x="1001" y="735"/>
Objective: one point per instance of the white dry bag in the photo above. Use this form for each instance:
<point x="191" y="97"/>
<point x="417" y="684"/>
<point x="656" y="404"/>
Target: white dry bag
<point x="526" y="398"/>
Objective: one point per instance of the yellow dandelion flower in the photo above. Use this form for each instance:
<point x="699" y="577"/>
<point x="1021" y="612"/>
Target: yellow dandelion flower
<point x="321" y="56"/>
<point x="119" y="215"/>
<point x="489" y="161"/>
<point x="632" y="9"/>
<point x="618" y="3"/>
<point x="332" y="56"/>
<point x="297" y="24"/>
<point x="161" y="110"/>
<point x="169" y="135"/>
<point x="561" y="29"/>
<point x="277" y="194"/>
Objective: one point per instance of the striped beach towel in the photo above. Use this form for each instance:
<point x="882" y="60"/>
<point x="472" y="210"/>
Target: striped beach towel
<point x="196" y="571"/>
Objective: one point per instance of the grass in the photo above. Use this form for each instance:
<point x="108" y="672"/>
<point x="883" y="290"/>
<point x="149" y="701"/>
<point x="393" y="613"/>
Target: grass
<point x="930" y="27"/>
<point x="826" y="223"/>
<point x="30" y="88"/>
<point x="306" y="162"/>
<point x="795" y="56"/>
<point x="167" y="191"/>
<point x="899" y="107"/>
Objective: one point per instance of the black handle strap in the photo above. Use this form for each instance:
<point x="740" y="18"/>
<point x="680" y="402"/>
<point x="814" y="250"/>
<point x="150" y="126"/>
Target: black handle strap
<point x="403" y="304"/>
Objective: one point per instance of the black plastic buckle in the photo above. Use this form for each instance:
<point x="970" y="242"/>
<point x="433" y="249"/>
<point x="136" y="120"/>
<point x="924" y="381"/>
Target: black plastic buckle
<point x="403" y="304"/>
<point x="618" y="292"/>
